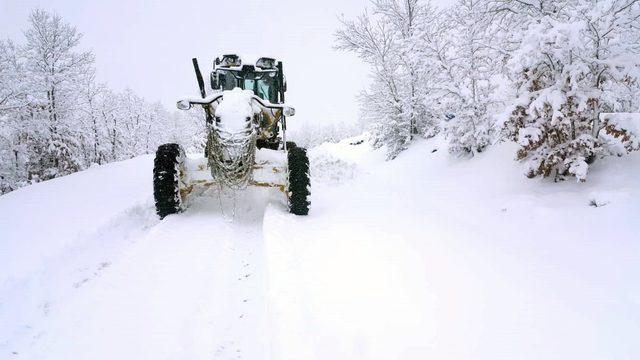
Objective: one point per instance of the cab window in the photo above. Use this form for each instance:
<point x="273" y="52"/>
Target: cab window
<point x="266" y="90"/>
<point x="228" y="81"/>
<point x="249" y="84"/>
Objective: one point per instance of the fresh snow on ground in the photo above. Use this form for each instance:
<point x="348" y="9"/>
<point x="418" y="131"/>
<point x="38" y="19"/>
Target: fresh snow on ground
<point x="426" y="256"/>
<point x="433" y="257"/>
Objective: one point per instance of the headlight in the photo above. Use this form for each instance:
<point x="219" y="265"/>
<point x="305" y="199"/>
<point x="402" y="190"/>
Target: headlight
<point x="231" y="60"/>
<point x="266" y="63"/>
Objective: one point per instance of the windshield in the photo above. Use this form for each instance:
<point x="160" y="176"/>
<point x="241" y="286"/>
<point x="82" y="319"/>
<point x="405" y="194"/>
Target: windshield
<point x="264" y="85"/>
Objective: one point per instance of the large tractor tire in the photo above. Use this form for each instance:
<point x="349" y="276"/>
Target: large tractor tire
<point x="299" y="183"/>
<point x="167" y="179"/>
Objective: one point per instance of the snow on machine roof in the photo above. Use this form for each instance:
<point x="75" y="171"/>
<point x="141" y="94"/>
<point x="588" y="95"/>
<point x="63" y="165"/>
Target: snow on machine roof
<point x="233" y="61"/>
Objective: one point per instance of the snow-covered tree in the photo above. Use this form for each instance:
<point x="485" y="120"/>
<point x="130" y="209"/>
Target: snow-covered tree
<point x="572" y="64"/>
<point x="12" y="90"/>
<point x="189" y="129"/>
<point x="471" y="69"/>
<point x="91" y="100"/>
<point x="54" y="71"/>
<point x="12" y="99"/>
<point x="131" y="126"/>
<point x="428" y="65"/>
<point x="310" y="135"/>
<point x="55" y="118"/>
<point x="386" y="40"/>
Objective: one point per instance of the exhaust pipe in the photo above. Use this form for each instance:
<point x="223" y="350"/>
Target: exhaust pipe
<point x="199" y="77"/>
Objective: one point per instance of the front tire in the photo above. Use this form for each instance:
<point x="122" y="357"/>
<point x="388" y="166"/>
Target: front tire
<point x="167" y="179"/>
<point x="298" y="181"/>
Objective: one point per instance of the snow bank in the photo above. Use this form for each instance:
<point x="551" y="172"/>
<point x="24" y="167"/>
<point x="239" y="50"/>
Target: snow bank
<point x="57" y="235"/>
<point x="335" y="163"/>
<point x="433" y="257"/>
<point x="42" y="221"/>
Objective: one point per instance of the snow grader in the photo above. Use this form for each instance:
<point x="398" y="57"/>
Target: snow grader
<point x="246" y="144"/>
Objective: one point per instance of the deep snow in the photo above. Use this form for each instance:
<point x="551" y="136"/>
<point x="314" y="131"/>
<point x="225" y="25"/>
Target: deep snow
<point x="433" y="257"/>
<point x="423" y="257"/>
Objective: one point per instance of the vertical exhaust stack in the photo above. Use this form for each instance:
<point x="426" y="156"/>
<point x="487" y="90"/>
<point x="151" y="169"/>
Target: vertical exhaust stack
<point x="203" y="93"/>
<point x="281" y="81"/>
<point x="284" y="118"/>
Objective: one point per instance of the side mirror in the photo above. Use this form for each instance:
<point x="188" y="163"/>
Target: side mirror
<point x="184" y="105"/>
<point x="289" y="111"/>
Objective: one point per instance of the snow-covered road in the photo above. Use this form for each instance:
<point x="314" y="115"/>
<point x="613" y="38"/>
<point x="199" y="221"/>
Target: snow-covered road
<point x="422" y="257"/>
<point x="191" y="286"/>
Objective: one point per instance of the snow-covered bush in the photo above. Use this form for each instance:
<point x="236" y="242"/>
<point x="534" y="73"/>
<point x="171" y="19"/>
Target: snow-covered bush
<point x="469" y="131"/>
<point x="573" y="63"/>
<point x="620" y="132"/>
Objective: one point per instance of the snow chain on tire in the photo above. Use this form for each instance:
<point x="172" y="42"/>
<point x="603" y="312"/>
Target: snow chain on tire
<point x="167" y="170"/>
<point x="298" y="180"/>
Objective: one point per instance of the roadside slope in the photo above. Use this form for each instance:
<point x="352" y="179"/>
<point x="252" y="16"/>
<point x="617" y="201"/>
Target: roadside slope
<point x="433" y="257"/>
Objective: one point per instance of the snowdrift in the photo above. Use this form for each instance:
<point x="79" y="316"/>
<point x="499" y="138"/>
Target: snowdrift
<point x="426" y="256"/>
<point x="429" y="257"/>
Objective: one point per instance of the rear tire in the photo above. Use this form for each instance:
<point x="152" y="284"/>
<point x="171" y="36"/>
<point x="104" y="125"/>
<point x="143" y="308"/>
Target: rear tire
<point x="298" y="181"/>
<point x="291" y="145"/>
<point x="167" y="173"/>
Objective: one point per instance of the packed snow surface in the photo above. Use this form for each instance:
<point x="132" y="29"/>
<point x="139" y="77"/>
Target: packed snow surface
<point x="423" y="257"/>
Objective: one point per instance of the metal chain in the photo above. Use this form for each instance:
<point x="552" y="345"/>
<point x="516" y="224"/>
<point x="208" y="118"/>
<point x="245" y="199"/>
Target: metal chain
<point x="232" y="156"/>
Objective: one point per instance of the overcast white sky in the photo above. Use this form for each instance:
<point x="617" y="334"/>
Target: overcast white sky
<point x="148" y="45"/>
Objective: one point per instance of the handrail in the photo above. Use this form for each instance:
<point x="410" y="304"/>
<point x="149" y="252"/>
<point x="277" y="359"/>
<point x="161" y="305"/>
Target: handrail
<point x="185" y="104"/>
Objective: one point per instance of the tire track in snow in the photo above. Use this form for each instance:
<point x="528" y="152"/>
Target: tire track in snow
<point x="233" y="312"/>
<point x="192" y="286"/>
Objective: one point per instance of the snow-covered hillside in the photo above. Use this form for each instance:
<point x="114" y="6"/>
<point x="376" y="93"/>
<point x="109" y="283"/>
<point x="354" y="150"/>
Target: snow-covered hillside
<point x="423" y="257"/>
